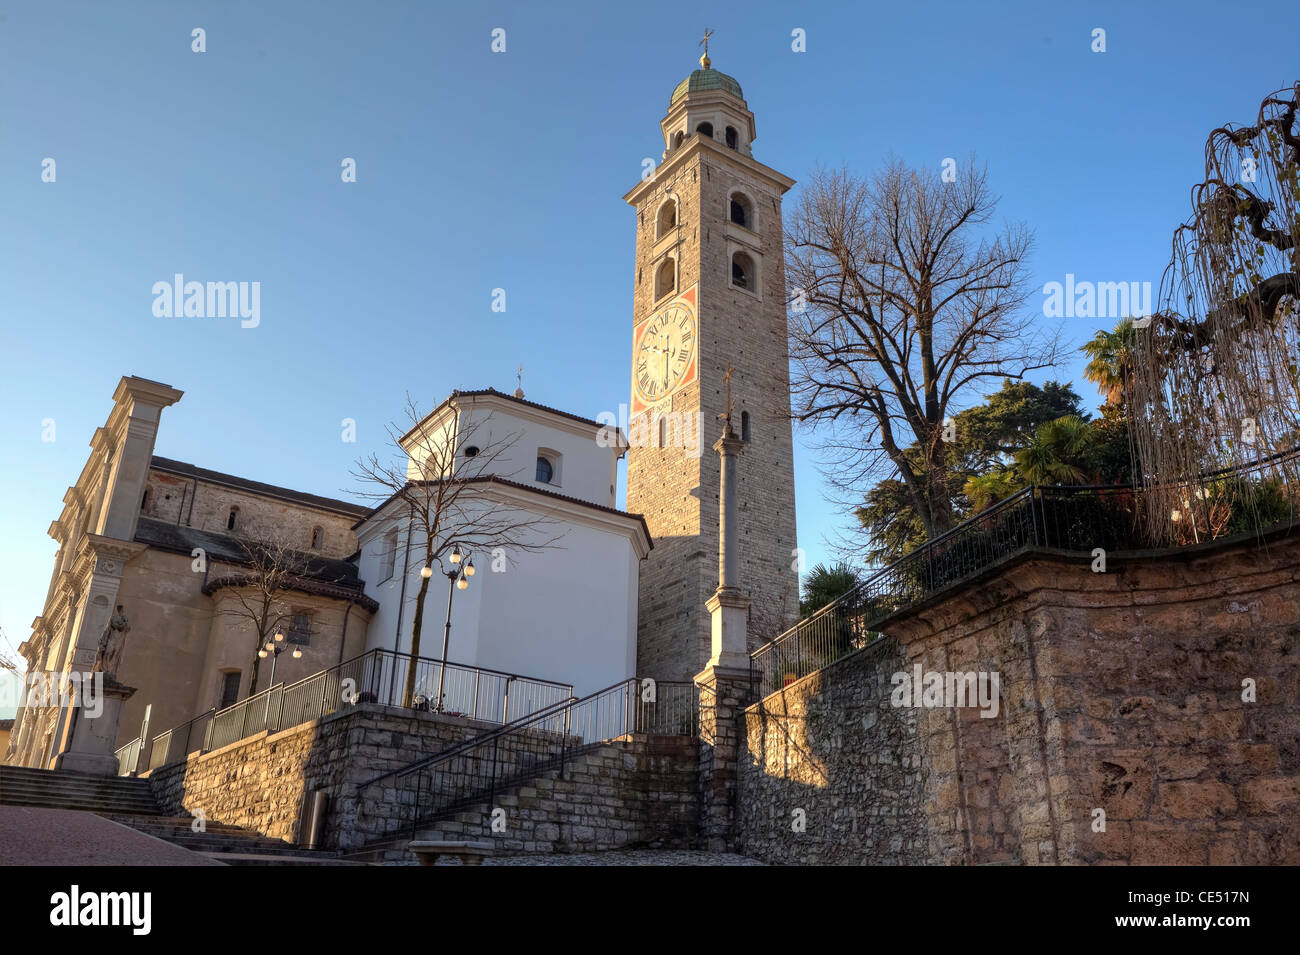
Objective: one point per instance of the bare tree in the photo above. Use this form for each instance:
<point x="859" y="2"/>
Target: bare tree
<point x="1215" y="379"/>
<point x="901" y="305"/>
<point x="271" y="568"/>
<point x="447" y="497"/>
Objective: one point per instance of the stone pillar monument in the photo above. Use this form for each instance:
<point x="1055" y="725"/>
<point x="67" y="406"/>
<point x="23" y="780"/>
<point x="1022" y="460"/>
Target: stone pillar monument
<point x="90" y="731"/>
<point x="724" y="683"/>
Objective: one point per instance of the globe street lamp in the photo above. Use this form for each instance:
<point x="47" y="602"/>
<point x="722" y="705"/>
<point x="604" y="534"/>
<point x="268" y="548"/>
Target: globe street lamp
<point x="275" y="647"/>
<point x="457" y="579"/>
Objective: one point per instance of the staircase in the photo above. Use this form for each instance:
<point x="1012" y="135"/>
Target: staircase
<point x="229" y="844"/>
<point x="130" y="802"/>
<point x="46" y="789"/>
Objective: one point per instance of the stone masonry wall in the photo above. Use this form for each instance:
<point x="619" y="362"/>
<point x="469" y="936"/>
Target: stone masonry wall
<point x="1120" y="691"/>
<point x="637" y="792"/>
<point x="259" y="783"/>
<point x="640" y="791"/>
<point x="831" y="773"/>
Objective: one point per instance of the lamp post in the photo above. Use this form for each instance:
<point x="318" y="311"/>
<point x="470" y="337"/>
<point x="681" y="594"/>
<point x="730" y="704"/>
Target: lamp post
<point x="457" y="579"/>
<point x="276" y="646"/>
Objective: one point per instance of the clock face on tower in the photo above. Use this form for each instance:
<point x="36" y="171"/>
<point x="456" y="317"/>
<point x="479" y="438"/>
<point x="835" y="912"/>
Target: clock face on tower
<point x="664" y="348"/>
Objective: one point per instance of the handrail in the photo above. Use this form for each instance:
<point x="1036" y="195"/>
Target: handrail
<point x="477" y="767"/>
<point x="473" y="741"/>
<point x="376" y="675"/>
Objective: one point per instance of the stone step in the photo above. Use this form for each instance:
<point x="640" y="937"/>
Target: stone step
<point x="87" y="803"/>
<point x="51" y="789"/>
<point x="252" y="858"/>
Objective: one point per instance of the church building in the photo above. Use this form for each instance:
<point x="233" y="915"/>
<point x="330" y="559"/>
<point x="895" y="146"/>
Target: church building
<point x="538" y="571"/>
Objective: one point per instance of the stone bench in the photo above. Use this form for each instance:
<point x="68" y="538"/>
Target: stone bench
<point x="470" y="853"/>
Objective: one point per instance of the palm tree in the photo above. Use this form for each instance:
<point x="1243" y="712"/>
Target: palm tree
<point x="825" y="584"/>
<point x="1057" y="453"/>
<point x="985" y="490"/>
<point x="1110" y="364"/>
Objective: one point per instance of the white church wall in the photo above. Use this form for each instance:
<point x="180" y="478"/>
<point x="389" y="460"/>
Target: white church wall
<point x="583" y="469"/>
<point x="567" y="613"/>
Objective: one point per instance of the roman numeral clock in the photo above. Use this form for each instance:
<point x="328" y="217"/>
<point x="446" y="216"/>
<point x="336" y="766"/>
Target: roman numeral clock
<point x="665" y="349"/>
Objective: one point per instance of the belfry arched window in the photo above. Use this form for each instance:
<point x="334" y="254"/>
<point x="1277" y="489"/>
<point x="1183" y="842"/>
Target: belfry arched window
<point x="667" y="219"/>
<point x="733" y="138"/>
<point x="705" y="129"/>
<point x="741" y="211"/>
<point x="665" y="278"/>
<point x="742" y="271"/>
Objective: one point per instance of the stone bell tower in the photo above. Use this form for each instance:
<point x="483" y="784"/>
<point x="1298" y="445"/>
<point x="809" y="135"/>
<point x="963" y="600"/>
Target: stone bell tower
<point x="709" y="293"/>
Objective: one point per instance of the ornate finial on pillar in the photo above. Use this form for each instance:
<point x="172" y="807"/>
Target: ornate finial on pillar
<point x="704" y="60"/>
<point x="727" y="431"/>
<point x="519" y="377"/>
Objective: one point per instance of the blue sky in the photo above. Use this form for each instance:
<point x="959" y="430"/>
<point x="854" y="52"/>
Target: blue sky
<point x="479" y="170"/>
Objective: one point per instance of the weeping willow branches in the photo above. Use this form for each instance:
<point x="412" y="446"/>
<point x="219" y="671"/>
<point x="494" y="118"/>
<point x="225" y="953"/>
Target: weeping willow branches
<point x="1216" y="370"/>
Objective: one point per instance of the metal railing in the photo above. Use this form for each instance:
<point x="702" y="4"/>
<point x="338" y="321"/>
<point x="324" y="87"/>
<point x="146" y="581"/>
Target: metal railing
<point x="378" y="676"/>
<point x="174" y="745"/>
<point x="473" y="771"/>
<point x="1075" y="519"/>
<point x="127" y="757"/>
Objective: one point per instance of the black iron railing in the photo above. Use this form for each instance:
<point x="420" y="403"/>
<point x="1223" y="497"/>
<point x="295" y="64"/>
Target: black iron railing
<point x="1075" y="519"/>
<point x="475" y="770"/>
<point x="378" y="676"/>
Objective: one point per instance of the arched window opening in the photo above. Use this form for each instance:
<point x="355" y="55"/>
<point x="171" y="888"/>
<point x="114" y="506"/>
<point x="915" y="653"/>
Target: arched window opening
<point x="317" y="538"/>
<point x="544" y="470"/>
<point x="667" y="218"/>
<point x="705" y="129"/>
<point x="744" y="426"/>
<point x="733" y="138"/>
<point x="677" y="140"/>
<point x="742" y="271"/>
<point x="232" y="518"/>
<point x="665" y="278"/>
<point x="741" y="212"/>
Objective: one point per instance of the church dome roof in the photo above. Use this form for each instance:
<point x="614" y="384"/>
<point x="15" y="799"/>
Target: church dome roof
<point x="706" y="80"/>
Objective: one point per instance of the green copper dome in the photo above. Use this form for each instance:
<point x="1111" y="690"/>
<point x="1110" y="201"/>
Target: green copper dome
<point x="706" y="80"/>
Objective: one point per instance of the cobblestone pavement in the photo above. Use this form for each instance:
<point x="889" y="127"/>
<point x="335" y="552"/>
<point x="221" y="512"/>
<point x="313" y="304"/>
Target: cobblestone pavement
<point x="630" y="857"/>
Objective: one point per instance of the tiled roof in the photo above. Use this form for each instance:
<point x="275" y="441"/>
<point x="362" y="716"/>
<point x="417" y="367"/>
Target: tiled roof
<point x="257" y="487"/>
<point x="325" y="575"/>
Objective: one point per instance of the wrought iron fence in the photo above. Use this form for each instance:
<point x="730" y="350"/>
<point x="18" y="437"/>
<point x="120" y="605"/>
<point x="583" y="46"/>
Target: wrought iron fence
<point x="378" y="676"/>
<point x="476" y="769"/>
<point x="1074" y="519"/>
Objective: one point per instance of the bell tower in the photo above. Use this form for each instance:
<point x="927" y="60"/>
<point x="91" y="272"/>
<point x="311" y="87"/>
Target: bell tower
<point x="709" y="294"/>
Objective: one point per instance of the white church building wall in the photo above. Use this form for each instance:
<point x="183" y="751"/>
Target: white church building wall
<point x="566" y="612"/>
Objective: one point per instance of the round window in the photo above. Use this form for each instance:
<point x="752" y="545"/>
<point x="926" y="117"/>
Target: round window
<point x="471" y="451"/>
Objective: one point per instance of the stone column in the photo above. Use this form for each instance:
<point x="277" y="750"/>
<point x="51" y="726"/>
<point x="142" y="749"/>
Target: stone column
<point x="132" y="428"/>
<point x="729" y="607"/>
<point x="724" y="683"/>
<point x="105" y="560"/>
